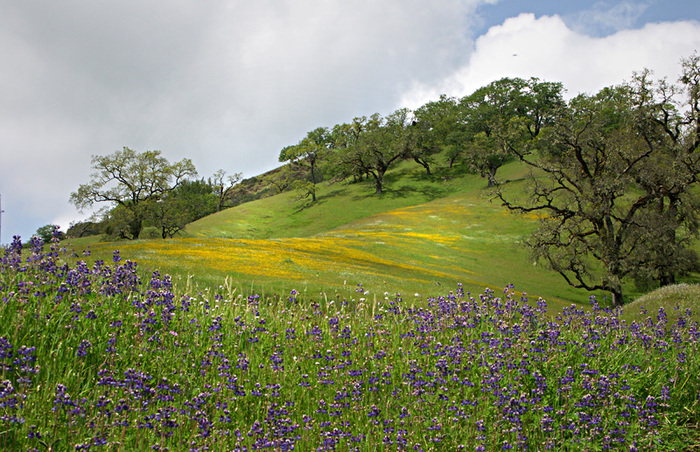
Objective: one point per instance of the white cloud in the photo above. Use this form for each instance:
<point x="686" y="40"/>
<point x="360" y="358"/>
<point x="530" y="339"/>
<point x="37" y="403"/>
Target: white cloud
<point x="227" y="85"/>
<point x="547" y="48"/>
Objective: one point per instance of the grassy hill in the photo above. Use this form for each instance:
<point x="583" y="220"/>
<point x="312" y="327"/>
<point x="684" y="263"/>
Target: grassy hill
<point x="94" y="357"/>
<point x="423" y="236"/>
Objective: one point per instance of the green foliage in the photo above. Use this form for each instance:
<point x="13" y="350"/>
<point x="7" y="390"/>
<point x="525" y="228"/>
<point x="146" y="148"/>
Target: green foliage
<point x="46" y="233"/>
<point x="128" y="179"/>
<point x="188" y="202"/>
<point x="503" y="115"/>
<point x="169" y="215"/>
<point x="311" y="152"/>
<point x="305" y="189"/>
<point x="370" y="146"/>
<point x="84" y="229"/>
<point x="282" y="179"/>
<point x="434" y="131"/>
<point x="614" y="177"/>
<point x="124" y="221"/>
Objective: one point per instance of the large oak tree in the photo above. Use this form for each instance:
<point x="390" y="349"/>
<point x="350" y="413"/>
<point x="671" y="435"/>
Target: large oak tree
<point x="129" y="181"/>
<point x="370" y="146"/>
<point x="613" y="179"/>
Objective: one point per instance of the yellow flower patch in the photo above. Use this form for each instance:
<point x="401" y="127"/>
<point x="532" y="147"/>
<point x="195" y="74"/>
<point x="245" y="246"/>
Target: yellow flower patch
<point x="292" y="258"/>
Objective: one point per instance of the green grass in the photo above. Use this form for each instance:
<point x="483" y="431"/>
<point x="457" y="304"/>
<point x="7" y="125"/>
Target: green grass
<point x="338" y="204"/>
<point x="91" y="358"/>
<point x="674" y="299"/>
<point x="424" y="233"/>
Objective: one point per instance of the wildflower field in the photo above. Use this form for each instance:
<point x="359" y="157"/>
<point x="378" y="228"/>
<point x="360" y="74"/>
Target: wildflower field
<point x="404" y="244"/>
<point x="93" y="357"/>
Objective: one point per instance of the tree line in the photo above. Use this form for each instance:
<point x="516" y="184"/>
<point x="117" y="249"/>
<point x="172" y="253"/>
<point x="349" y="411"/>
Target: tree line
<point x="467" y="131"/>
<point x="613" y="174"/>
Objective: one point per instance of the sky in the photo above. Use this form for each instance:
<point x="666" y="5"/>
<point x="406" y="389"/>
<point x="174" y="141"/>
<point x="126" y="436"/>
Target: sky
<point x="228" y="84"/>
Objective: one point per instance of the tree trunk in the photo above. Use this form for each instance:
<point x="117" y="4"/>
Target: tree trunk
<point x="452" y="160"/>
<point x="491" y="176"/>
<point x="617" y="298"/>
<point x="313" y="174"/>
<point x="135" y="228"/>
<point x="378" y="190"/>
<point x="378" y="174"/>
<point x="313" y="182"/>
<point x="379" y="179"/>
<point x="424" y="164"/>
<point x="667" y="279"/>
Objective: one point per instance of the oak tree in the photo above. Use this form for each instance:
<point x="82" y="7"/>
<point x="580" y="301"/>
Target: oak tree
<point x="309" y="153"/>
<point x="435" y="129"/>
<point x="223" y="184"/>
<point x="370" y="146"/>
<point x="504" y="114"/>
<point x="129" y="180"/>
<point x="613" y="181"/>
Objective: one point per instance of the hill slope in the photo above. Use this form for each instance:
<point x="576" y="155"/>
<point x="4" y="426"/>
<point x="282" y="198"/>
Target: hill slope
<point x="423" y="236"/>
<point x="338" y="204"/>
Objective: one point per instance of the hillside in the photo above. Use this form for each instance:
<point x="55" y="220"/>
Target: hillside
<point x="423" y="236"/>
<point x="209" y="357"/>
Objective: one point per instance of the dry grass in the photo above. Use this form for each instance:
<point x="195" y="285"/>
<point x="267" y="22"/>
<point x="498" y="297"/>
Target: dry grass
<point x="675" y="299"/>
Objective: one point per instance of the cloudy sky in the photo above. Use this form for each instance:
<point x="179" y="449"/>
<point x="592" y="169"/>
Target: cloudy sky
<point x="229" y="83"/>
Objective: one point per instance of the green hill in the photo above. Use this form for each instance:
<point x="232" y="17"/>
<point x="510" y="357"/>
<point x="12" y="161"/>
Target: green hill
<point x="423" y="236"/>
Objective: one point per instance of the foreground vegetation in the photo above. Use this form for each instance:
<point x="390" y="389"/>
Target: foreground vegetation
<point x="95" y="358"/>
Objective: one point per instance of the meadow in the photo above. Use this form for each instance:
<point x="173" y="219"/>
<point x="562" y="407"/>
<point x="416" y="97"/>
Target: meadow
<point x="95" y="357"/>
<point x="423" y="234"/>
<point x="409" y="321"/>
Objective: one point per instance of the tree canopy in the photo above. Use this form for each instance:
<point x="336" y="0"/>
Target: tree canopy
<point x="309" y="153"/>
<point x="129" y="180"/>
<point x="502" y="115"/>
<point x="613" y="178"/>
<point x="370" y="146"/>
<point x="434" y="130"/>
